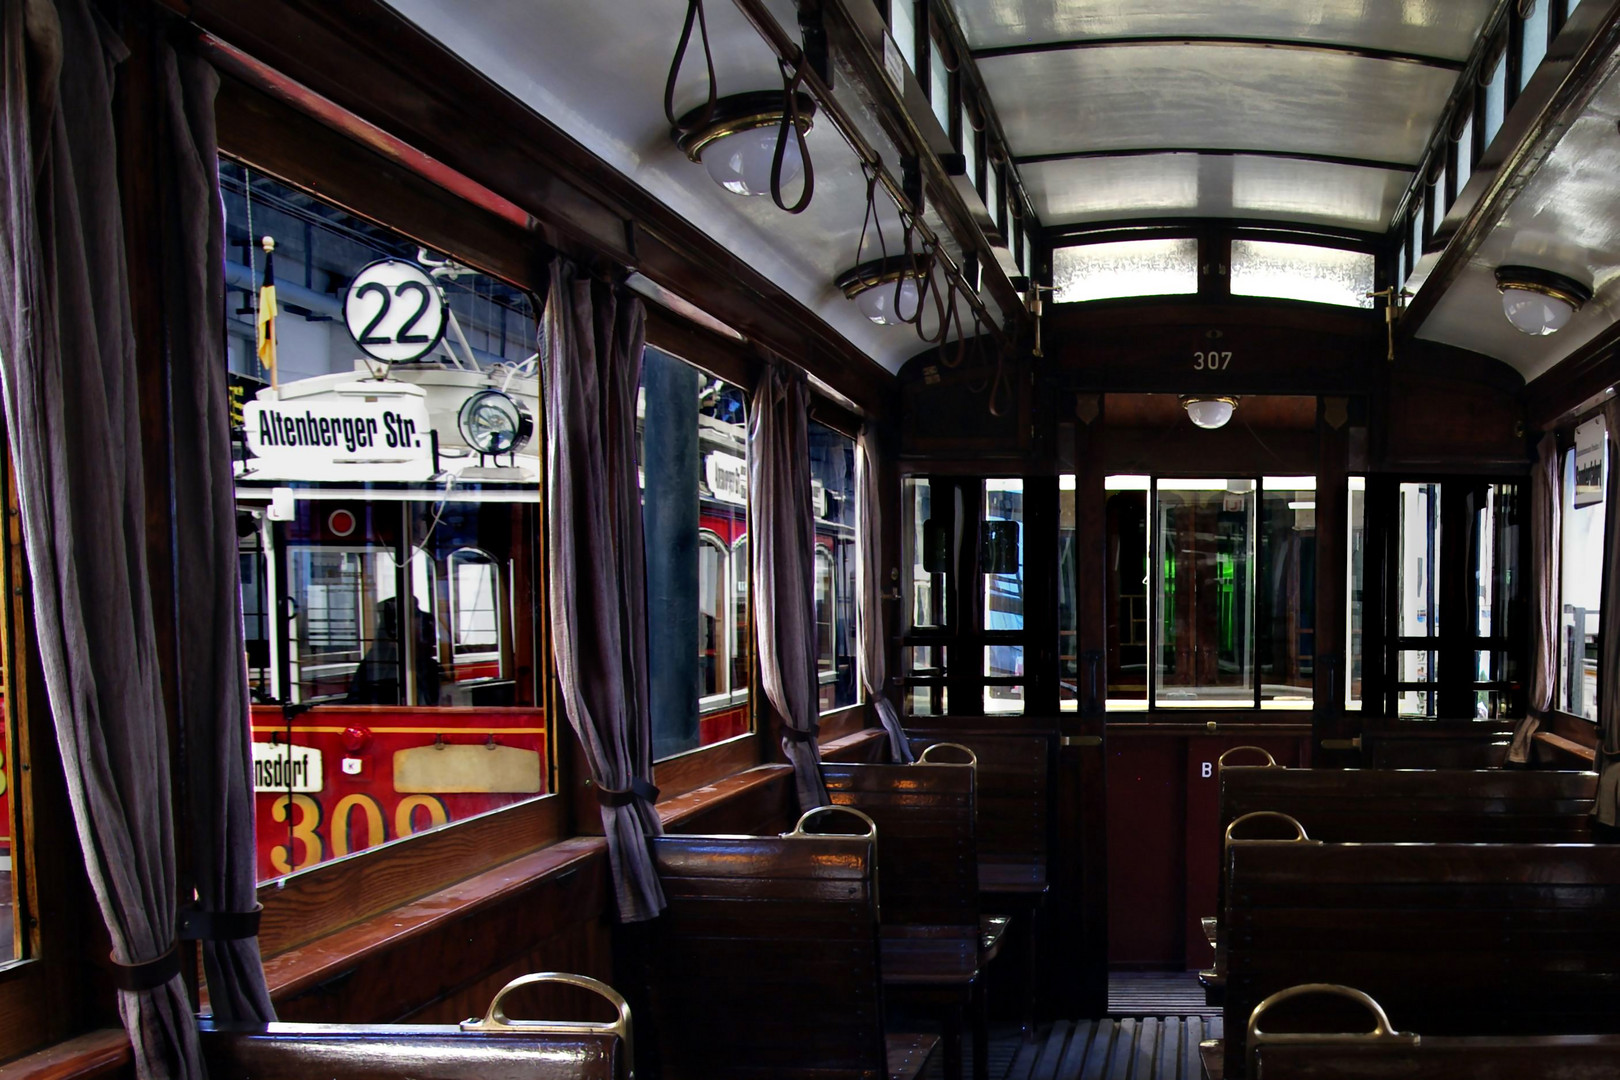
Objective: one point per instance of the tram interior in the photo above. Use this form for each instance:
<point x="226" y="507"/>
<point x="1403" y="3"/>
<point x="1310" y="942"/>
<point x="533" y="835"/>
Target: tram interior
<point x="601" y="488"/>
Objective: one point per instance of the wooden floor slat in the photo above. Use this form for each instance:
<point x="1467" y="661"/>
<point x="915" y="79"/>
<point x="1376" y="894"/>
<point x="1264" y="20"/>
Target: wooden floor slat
<point x="1127" y="1048"/>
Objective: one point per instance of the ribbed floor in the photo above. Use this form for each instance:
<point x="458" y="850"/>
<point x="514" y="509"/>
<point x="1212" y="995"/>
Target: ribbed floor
<point x="1157" y="993"/>
<point x="1135" y="1048"/>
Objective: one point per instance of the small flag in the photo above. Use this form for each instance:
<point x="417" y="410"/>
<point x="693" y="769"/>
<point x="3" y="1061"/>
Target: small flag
<point x="267" y="311"/>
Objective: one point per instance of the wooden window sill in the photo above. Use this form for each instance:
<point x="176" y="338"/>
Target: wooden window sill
<point x="90" y="1056"/>
<point x="1568" y="749"/>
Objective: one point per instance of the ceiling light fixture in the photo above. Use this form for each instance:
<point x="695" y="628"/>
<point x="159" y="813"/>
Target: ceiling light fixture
<point x="737" y="139"/>
<point x="888" y="291"/>
<point x="1539" y="302"/>
<point x="1209" y="413"/>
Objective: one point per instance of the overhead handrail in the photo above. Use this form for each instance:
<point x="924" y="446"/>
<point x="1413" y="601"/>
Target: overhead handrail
<point x="495" y="1020"/>
<point x="1382" y="1032"/>
<point x="1269" y="763"/>
<point x="1301" y="836"/>
<point x="972" y="758"/>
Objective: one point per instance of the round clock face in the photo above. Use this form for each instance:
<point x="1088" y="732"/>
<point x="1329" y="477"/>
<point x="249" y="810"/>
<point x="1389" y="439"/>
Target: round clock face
<point x="394" y="311"/>
<point x="494" y="423"/>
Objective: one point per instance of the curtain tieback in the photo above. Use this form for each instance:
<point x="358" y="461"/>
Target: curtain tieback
<point x="793" y="734"/>
<point x="196" y="924"/>
<point x="137" y="978"/>
<point x="638" y="789"/>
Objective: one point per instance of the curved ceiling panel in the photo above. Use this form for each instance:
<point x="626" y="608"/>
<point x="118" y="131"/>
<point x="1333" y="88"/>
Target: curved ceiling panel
<point x="1189" y="185"/>
<point x="1441" y="28"/>
<point x="1218" y="96"/>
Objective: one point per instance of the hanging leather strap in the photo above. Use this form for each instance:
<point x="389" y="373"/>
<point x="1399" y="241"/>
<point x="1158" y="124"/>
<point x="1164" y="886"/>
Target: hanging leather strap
<point x="790" y="120"/>
<point x="694" y="13"/>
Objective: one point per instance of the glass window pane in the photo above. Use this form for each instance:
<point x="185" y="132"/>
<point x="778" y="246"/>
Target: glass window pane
<point x="903" y="28"/>
<point x="1585" y="478"/>
<point x="1068" y="600"/>
<point x="1418" y="576"/>
<point x="832" y="486"/>
<point x="1495" y="553"/>
<point x="1004" y="661"/>
<point x="1285" y="592"/>
<point x="1004" y="700"/>
<point x="1204" y="551"/>
<point x="401" y="607"/>
<point x="970" y="146"/>
<point x="939" y="86"/>
<point x="1125" y="268"/>
<point x="1415" y="666"/>
<point x="11" y="926"/>
<point x="1003" y="549"/>
<point x="925" y="659"/>
<point x="1302" y="272"/>
<point x="928" y="700"/>
<point x="929" y="537"/>
<point x="1125" y="561"/>
<point x="1533" y="39"/>
<point x="694" y="514"/>
<point x="1415" y="240"/>
<point x="1465" y="153"/>
<point x="1495" y="98"/>
<point x="1356" y="546"/>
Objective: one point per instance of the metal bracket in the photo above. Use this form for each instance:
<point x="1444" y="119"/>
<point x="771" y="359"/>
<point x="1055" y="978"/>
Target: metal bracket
<point x="816" y="51"/>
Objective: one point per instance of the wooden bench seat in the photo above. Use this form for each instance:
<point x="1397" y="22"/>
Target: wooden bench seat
<point x="1454" y="939"/>
<point x="493" y="1048"/>
<point x="1393" y="806"/>
<point x="767" y="962"/>
<point x="935" y="944"/>
<point x="1381" y="1051"/>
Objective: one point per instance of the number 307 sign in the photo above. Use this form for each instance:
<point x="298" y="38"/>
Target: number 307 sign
<point x="394" y="311"/>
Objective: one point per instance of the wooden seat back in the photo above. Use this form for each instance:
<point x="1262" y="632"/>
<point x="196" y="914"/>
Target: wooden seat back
<point x="766" y="960"/>
<point x="492" y="1048"/>
<point x="927" y="855"/>
<point x="1452" y="939"/>
<point x="1013" y="796"/>
<point x="1380" y="1052"/>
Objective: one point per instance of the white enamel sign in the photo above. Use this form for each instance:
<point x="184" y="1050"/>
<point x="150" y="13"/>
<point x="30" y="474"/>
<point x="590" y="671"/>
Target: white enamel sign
<point x="279" y="767"/>
<point x="394" y="311"/>
<point x="727" y="475"/>
<point x="341" y="438"/>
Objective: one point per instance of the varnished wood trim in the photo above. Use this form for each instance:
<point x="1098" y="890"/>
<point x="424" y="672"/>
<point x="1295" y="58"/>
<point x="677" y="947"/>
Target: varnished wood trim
<point x="1566" y="750"/>
<point x="90" y="1056"/>
<point x="703" y="766"/>
<point x="1445" y="63"/>
<point x="841" y="722"/>
<point x="856" y="747"/>
<point x="333" y="895"/>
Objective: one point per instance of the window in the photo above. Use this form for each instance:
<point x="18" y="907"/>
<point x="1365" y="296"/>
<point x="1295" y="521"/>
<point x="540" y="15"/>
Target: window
<point x="1586" y="468"/>
<point x="694" y="470"/>
<point x="1495" y="93"/>
<point x="1533" y="34"/>
<point x="1356" y="578"/>
<point x="11" y="925"/>
<point x="1418" y="599"/>
<point x="1068" y="599"/>
<point x="939" y="84"/>
<point x="832" y="483"/>
<point x="1002" y="564"/>
<point x="1125" y="268"/>
<point x="392" y="613"/>
<point x="1217" y="598"/>
<point x="970" y="144"/>
<point x="1465" y="153"/>
<point x="903" y="28"/>
<point x="1302" y="272"/>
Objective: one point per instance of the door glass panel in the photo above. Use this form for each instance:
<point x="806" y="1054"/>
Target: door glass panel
<point x="1204" y="535"/>
<point x="1585" y="476"/>
<point x="1356" y="547"/>
<point x="1125" y="567"/>
<point x="832" y="487"/>
<point x="1004" y="591"/>
<point x="1285" y="608"/>
<point x="1068" y="600"/>
<point x="932" y="551"/>
<point x="1417" y="600"/>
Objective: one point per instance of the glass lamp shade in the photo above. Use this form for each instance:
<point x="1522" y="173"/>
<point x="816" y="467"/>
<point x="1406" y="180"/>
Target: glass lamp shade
<point x="878" y="304"/>
<point x="1535" y="313"/>
<point x="741" y="162"/>
<point x="1209" y="413"/>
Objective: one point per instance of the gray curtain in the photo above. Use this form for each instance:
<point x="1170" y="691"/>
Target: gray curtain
<point x="591" y="341"/>
<point x="1545" y="531"/>
<point x="213" y="674"/>
<point x="869" y="593"/>
<point x="782" y="545"/>
<point x="1608" y="756"/>
<point x="71" y="411"/>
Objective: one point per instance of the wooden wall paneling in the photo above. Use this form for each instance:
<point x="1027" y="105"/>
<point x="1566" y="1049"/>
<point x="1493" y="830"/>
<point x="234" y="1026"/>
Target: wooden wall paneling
<point x="1582" y="375"/>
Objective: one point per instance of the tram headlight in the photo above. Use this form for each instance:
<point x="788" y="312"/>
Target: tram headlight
<point x="493" y="422"/>
<point x="737" y="142"/>
<point x="1539" y="302"/>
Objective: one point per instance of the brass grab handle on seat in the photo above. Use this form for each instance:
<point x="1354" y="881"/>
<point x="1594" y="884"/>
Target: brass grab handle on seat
<point x="1270" y="815"/>
<point x="1269" y="763"/>
<point x="496" y="1020"/>
<point x="1382" y="1030"/>
<point x="971" y="762"/>
<point x="804" y="818"/>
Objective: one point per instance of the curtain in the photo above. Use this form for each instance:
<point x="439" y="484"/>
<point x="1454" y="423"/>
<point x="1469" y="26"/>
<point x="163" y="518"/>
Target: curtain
<point x="1608" y="755"/>
<point x="213" y="675"/>
<point x="1545" y="506"/>
<point x="783" y="545"/>
<point x="591" y="341"/>
<point x="72" y="415"/>
<point x="869" y="593"/>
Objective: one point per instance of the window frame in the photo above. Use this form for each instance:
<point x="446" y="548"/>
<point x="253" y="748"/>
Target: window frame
<point x="1611" y="535"/>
